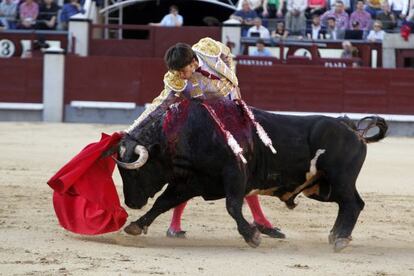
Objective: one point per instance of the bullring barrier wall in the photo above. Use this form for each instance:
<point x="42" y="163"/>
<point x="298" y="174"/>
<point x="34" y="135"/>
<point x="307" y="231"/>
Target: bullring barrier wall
<point x="136" y="81"/>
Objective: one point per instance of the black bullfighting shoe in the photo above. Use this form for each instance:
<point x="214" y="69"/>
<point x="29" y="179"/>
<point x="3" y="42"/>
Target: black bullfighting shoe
<point x="175" y="234"/>
<point x="271" y="232"/>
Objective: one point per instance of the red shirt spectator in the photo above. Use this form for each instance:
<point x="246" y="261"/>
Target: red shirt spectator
<point x="316" y="4"/>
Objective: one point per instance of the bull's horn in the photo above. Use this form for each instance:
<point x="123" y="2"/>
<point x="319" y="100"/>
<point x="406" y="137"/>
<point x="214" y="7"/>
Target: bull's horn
<point x="142" y="152"/>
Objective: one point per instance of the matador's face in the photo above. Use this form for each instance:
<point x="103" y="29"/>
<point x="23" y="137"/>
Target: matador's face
<point x="186" y="72"/>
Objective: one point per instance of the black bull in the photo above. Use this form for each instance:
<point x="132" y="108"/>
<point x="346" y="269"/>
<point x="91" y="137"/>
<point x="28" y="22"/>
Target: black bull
<point x="318" y="156"/>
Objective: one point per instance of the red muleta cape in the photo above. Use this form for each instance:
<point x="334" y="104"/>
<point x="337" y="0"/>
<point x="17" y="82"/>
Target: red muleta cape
<point x="85" y="197"/>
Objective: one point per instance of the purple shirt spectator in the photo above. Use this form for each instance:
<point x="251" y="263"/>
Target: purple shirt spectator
<point x="363" y="17"/>
<point x="341" y="17"/>
<point x="29" y="10"/>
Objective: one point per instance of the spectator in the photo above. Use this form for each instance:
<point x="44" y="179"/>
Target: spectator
<point x="315" y="7"/>
<point x="255" y="5"/>
<point x="246" y="15"/>
<point x="47" y="19"/>
<point x="28" y="11"/>
<point x="386" y="17"/>
<point x="295" y="20"/>
<point x="399" y="8"/>
<point x="259" y="29"/>
<point x="355" y="32"/>
<point x="348" y="51"/>
<point x="376" y="34"/>
<point x="273" y="8"/>
<point x="173" y="19"/>
<point x="373" y="7"/>
<point x="349" y="6"/>
<point x="2" y="27"/>
<point x="332" y="31"/>
<point x="69" y="10"/>
<point x="261" y="50"/>
<point x="410" y="16"/>
<point x="8" y="11"/>
<point x="316" y="30"/>
<point x="361" y="16"/>
<point x="341" y="17"/>
<point x="280" y="31"/>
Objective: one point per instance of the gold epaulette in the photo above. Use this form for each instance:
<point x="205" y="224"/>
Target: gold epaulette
<point x="173" y="81"/>
<point x="207" y="47"/>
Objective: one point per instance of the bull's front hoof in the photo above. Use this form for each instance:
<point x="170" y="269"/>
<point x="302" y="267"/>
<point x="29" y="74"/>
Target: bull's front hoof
<point x="133" y="229"/>
<point x="255" y="240"/>
<point x="341" y="243"/>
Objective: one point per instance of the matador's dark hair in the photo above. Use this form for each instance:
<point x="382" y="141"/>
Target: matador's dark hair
<point x="179" y="56"/>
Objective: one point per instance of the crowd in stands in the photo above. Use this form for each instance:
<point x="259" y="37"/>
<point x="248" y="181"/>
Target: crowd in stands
<point x="303" y="19"/>
<point x="323" y="19"/>
<point x="38" y="14"/>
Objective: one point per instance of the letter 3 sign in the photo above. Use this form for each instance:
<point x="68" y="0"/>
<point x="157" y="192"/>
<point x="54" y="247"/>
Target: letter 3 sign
<point x="7" y="48"/>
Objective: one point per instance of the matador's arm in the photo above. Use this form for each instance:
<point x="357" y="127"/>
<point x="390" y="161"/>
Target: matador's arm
<point x="172" y="91"/>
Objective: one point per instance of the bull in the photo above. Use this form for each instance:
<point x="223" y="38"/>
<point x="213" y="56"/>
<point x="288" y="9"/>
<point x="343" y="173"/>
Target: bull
<point x="318" y="156"/>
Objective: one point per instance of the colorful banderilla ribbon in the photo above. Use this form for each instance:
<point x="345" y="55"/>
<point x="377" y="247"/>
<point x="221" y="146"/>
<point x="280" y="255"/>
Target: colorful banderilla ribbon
<point x="259" y="129"/>
<point x="231" y="141"/>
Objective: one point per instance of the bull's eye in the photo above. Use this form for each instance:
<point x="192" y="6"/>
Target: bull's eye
<point x="122" y="151"/>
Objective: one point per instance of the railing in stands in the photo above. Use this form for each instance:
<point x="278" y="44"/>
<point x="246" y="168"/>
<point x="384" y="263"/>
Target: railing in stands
<point x="298" y="60"/>
<point x="370" y="53"/>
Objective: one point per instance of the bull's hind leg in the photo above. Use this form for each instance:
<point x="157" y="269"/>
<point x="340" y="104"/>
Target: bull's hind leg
<point x="235" y="189"/>
<point x="350" y="206"/>
<point x="169" y="199"/>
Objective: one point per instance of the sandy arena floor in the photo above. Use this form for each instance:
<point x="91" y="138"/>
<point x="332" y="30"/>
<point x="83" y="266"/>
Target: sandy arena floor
<point x="32" y="242"/>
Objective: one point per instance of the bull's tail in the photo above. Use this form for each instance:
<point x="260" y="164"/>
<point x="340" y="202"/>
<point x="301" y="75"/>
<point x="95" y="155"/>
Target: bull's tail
<point x="372" y="122"/>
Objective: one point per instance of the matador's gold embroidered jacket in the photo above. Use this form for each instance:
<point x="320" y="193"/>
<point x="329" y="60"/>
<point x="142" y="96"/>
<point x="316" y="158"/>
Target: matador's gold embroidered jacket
<point x="215" y="58"/>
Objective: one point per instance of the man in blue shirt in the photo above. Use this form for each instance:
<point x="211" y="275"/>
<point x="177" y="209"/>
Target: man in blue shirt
<point x="68" y="10"/>
<point x="173" y="19"/>
<point x="246" y="15"/>
<point x="261" y="50"/>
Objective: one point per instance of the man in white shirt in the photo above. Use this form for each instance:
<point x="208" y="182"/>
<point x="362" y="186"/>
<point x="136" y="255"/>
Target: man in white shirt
<point x="254" y="4"/>
<point x="399" y="7"/>
<point x="295" y="17"/>
<point x="258" y="28"/>
<point x="173" y="19"/>
<point x="410" y="16"/>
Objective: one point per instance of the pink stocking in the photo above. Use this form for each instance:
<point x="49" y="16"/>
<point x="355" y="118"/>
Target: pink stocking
<point x="258" y="216"/>
<point x="176" y="218"/>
